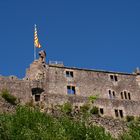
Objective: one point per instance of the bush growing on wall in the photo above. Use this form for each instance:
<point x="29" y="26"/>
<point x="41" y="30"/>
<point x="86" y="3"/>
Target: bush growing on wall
<point x="8" y="97"/>
<point x="129" y="118"/>
<point x="94" y="110"/>
<point x="66" y="108"/>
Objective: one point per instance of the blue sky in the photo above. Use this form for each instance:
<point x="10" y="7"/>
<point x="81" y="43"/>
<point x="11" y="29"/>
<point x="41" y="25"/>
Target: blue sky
<point x="94" y="34"/>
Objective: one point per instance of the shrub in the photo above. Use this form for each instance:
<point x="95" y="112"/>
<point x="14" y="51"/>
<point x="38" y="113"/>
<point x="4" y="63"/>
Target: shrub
<point x="129" y="118"/>
<point x="30" y="124"/>
<point x="8" y="97"/>
<point x="85" y="108"/>
<point x="92" y="98"/>
<point x="94" y="110"/>
<point x="138" y="119"/>
<point x="66" y="108"/>
<point x="133" y="132"/>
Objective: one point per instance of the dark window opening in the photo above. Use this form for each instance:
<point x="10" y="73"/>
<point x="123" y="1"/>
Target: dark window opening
<point x="37" y="98"/>
<point x="37" y="91"/>
<point x="121" y="113"/>
<point x="122" y="95"/>
<point x="129" y="97"/>
<point x="71" y="90"/>
<point x="69" y="74"/>
<point x="116" y="113"/>
<point x="68" y="89"/>
<point x="116" y="78"/>
<point x="125" y="95"/>
<point x="110" y="96"/>
<point x="111" y="77"/>
<point x="113" y="94"/>
<point x="101" y="111"/>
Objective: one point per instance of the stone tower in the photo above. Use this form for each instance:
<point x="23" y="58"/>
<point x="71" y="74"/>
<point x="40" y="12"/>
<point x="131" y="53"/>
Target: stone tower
<point x="37" y="70"/>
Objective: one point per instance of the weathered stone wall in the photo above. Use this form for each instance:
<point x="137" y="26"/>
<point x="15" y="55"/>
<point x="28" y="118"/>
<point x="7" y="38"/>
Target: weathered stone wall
<point x="19" y="88"/>
<point x="52" y="82"/>
<point x="130" y="108"/>
<point x="88" y="83"/>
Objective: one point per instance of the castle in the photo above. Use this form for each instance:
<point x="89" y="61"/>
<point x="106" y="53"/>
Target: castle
<point x="53" y="83"/>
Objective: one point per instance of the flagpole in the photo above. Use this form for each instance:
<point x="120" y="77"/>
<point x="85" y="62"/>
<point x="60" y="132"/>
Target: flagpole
<point x="34" y="52"/>
<point x="34" y="44"/>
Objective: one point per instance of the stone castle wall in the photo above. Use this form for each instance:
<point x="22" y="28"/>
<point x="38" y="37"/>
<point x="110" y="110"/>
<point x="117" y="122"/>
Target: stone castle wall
<point x="16" y="87"/>
<point x="117" y="93"/>
<point x="95" y="83"/>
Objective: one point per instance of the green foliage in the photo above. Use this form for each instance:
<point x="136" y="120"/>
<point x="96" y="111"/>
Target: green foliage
<point x="94" y="110"/>
<point x="85" y="108"/>
<point x="129" y="118"/>
<point x="138" y="119"/>
<point x="8" y="97"/>
<point x="92" y="98"/>
<point x="133" y="133"/>
<point x="30" y="124"/>
<point x="66" y="108"/>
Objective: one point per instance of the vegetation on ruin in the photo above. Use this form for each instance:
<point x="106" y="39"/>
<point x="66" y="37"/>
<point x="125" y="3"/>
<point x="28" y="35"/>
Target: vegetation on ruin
<point x="65" y="123"/>
<point x="8" y="97"/>
<point x="30" y="124"/>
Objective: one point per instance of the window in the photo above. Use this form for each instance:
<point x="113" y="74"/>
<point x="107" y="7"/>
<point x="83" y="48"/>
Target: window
<point x="37" y="98"/>
<point x="129" y="97"/>
<point x="69" y="74"/>
<point x="101" y="111"/>
<point x="113" y="78"/>
<point x="121" y="95"/>
<point x="125" y="95"/>
<point x="121" y="113"/>
<point x="118" y="113"/>
<point x="71" y="90"/>
<point x="111" y="94"/>
<point x="116" y="78"/>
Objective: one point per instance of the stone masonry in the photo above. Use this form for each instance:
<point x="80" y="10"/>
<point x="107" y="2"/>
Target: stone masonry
<point x="117" y="93"/>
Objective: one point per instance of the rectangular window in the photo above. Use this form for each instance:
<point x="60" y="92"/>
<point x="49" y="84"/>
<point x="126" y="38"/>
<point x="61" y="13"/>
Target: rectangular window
<point x="101" y="111"/>
<point x="37" y="98"/>
<point x="110" y="96"/>
<point x="116" y="78"/>
<point x="121" y="113"/>
<point x="69" y="74"/>
<point x="71" y="90"/>
<point x="121" y="95"/>
<point x="129" y="97"/>
<point x="125" y="95"/>
<point x="111" y="77"/>
<point x="116" y="113"/>
<point x="113" y="94"/>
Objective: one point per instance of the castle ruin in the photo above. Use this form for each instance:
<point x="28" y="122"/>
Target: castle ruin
<point x="53" y="83"/>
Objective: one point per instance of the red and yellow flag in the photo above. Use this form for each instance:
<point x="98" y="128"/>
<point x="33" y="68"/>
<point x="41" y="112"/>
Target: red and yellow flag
<point x="36" y="41"/>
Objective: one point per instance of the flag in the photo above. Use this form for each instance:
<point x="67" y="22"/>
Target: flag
<point x="36" y="41"/>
